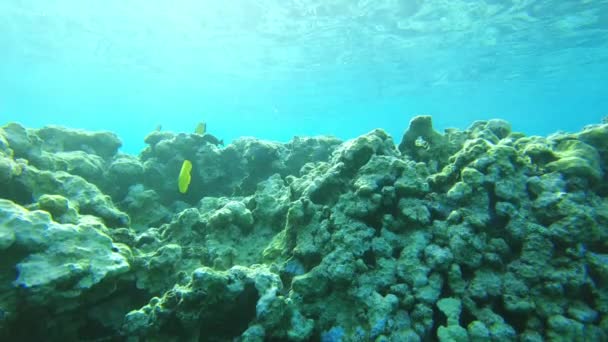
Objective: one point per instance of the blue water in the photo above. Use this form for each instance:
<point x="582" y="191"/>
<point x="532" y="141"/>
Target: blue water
<point x="278" y="68"/>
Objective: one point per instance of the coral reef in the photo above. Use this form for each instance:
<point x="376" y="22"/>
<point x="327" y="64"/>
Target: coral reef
<point x="467" y="235"/>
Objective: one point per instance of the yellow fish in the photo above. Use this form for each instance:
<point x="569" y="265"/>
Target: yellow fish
<point x="201" y="128"/>
<point x="184" y="176"/>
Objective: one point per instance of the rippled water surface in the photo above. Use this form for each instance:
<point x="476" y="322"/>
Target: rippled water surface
<point x="274" y="69"/>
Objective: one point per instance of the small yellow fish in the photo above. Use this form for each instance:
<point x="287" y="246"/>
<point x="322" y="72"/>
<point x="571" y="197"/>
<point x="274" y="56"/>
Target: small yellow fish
<point x="184" y="176"/>
<point x="201" y="128"/>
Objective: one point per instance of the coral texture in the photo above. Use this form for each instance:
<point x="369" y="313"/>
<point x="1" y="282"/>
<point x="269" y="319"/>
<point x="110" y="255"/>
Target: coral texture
<point x="467" y="235"/>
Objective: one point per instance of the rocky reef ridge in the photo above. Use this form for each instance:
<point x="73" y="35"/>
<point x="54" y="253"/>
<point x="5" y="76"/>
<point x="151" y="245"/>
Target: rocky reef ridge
<point x="481" y="234"/>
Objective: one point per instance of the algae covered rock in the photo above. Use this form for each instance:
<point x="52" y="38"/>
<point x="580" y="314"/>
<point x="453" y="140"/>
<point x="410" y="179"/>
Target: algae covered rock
<point x="467" y="235"/>
<point x="224" y="303"/>
<point x="8" y="169"/>
<point x="121" y="174"/>
<point x="40" y="146"/>
<point x="272" y="199"/>
<point x="55" y="138"/>
<point x="88" y="166"/>
<point x="357" y="152"/>
<point x="125" y="170"/>
<point x="86" y="197"/>
<point x="235" y="169"/>
<point x="55" y="148"/>
<point x="79" y="255"/>
<point x="304" y="150"/>
<point x="4" y="148"/>
<point x="575" y="158"/>
<point x="420" y="127"/>
<point x="145" y="206"/>
<point x="422" y="143"/>
<point x="59" y="207"/>
<point x="21" y="141"/>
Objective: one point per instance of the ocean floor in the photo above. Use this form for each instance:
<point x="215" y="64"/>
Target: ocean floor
<point x="478" y="234"/>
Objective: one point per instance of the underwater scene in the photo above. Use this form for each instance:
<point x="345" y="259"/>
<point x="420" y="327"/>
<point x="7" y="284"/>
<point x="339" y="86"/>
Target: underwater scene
<point x="304" y="170"/>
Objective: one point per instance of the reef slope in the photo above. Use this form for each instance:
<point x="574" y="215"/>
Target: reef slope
<point x="466" y="235"/>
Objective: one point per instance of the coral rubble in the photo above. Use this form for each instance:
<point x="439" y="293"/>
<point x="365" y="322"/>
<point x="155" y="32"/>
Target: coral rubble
<point x="467" y="235"/>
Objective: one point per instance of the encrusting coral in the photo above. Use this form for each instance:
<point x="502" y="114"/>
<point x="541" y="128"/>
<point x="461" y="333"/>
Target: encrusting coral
<point x="473" y="235"/>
